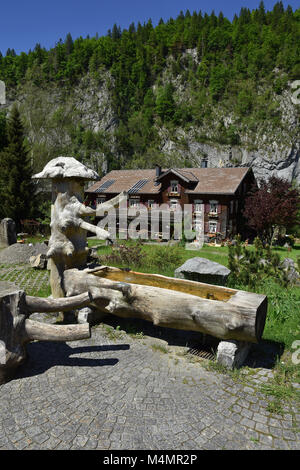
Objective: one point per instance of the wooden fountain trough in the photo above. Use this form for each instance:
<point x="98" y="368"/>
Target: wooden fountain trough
<point x="224" y="313"/>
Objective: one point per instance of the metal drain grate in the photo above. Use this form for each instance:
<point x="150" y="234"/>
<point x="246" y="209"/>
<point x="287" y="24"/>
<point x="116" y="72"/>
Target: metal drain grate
<point x="201" y="351"/>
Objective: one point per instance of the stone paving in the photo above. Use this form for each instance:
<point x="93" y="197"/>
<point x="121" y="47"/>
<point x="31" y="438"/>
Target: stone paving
<point x="122" y="394"/>
<point x="115" y="391"/>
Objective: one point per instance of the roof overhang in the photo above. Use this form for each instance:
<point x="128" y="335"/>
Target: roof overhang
<point x="175" y="172"/>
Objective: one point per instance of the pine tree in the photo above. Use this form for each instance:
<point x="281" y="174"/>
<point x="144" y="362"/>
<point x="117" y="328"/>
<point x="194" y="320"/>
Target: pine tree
<point x="69" y="44"/>
<point x="3" y="139"/>
<point x="16" y="188"/>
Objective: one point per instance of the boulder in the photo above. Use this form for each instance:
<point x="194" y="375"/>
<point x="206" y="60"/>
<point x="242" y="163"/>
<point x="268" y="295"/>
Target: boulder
<point x="203" y="270"/>
<point x="290" y="267"/>
<point x="39" y="261"/>
<point x="21" y="253"/>
<point x="7" y="232"/>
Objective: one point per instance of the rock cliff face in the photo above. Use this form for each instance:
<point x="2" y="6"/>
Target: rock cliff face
<point x="265" y="161"/>
<point x="81" y="121"/>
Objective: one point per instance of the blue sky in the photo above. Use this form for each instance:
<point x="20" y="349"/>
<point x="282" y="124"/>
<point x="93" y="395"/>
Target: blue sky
<point x="23" y="23"/>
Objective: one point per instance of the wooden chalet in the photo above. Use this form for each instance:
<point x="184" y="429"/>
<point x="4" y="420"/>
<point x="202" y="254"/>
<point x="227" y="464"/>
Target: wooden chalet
<point x="222" y="191"/>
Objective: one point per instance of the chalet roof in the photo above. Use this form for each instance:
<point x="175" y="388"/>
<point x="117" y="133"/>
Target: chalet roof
<point x="186" y="175"/>
<point x="124" y="180"/>
<point x="218" y="180"/>
<point x="206" y="180"/>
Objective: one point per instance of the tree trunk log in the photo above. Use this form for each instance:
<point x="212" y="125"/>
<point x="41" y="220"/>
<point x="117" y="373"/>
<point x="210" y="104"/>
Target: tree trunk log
<point x="16" y="329"/>
<point x="39" y="304"/>
<point x="44" y="332"/>
<point x="240" y="316"/>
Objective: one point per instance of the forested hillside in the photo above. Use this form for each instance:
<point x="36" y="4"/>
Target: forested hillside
<point x="192" y="88"/>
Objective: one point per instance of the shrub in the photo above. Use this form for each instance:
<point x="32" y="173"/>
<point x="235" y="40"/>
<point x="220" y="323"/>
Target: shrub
<point x="127" y="255"/>
<point x="252" y="267"/>
<point x="164" y="257"/>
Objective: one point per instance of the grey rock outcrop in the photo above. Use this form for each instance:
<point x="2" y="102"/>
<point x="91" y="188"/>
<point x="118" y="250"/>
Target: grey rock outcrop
<point x="203" y="270"/>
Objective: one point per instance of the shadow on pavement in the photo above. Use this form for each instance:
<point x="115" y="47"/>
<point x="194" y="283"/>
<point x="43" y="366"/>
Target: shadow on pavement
<point x="44" y="355"/>
<point x="262" y="355"/>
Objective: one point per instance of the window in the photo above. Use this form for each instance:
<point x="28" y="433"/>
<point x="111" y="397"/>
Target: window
<point x="213" y="207"/>
<point x="134" y="202"/>
<point x="174" y="204"/>
<point x="101" y="200"/>
<point x="212" y="226"/>
<point x="197" y="205"/>
<point x="174" y="186"/>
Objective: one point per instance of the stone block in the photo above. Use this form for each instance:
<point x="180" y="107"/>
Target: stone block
<point x="7" y="232"/>
<point x="232" y="354"/>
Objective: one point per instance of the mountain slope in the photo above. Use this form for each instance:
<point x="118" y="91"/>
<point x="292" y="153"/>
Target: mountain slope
<point x="195" y="88"/>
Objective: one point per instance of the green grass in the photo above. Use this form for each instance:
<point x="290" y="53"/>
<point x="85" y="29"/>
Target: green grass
<point x="25" y="277"/>
<point x="34" y="238"/>
<point x="279" y="390"/>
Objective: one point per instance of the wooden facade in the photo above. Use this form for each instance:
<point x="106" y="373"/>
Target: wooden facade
<point x="222" y="191"/>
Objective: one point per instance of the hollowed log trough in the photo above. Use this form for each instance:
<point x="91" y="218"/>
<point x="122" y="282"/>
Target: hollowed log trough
<point x="17" y="329"/>
<point x="224" y="313"/>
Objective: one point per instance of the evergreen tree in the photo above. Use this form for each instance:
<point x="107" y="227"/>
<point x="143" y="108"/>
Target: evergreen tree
<point x="69" y="44"/>
<point x="165" y="104"/>
<point x="3" y="139"/>
<point x="17" y="190"/>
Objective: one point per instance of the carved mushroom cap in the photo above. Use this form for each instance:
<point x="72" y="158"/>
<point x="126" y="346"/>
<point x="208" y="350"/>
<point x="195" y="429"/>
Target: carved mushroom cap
<point x="66" y="167"/>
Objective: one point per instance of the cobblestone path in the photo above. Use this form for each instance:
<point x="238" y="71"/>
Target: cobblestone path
<point x="104" y="394"/>
<point x="122" y="393"/>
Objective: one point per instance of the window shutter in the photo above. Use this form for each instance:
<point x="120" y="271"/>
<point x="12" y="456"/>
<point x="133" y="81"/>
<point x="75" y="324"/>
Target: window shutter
<point x="219" y="208"/>
<point x="207" y="207"/>
<point x="206" y="227"/>
<point x="219" y="227"/>
<point x="179" y="187"/>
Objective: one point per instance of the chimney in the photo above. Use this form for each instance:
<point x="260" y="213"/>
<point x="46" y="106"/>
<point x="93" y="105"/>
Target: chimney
<point x="105" y="167"/>
<point x="157" y="170"/>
